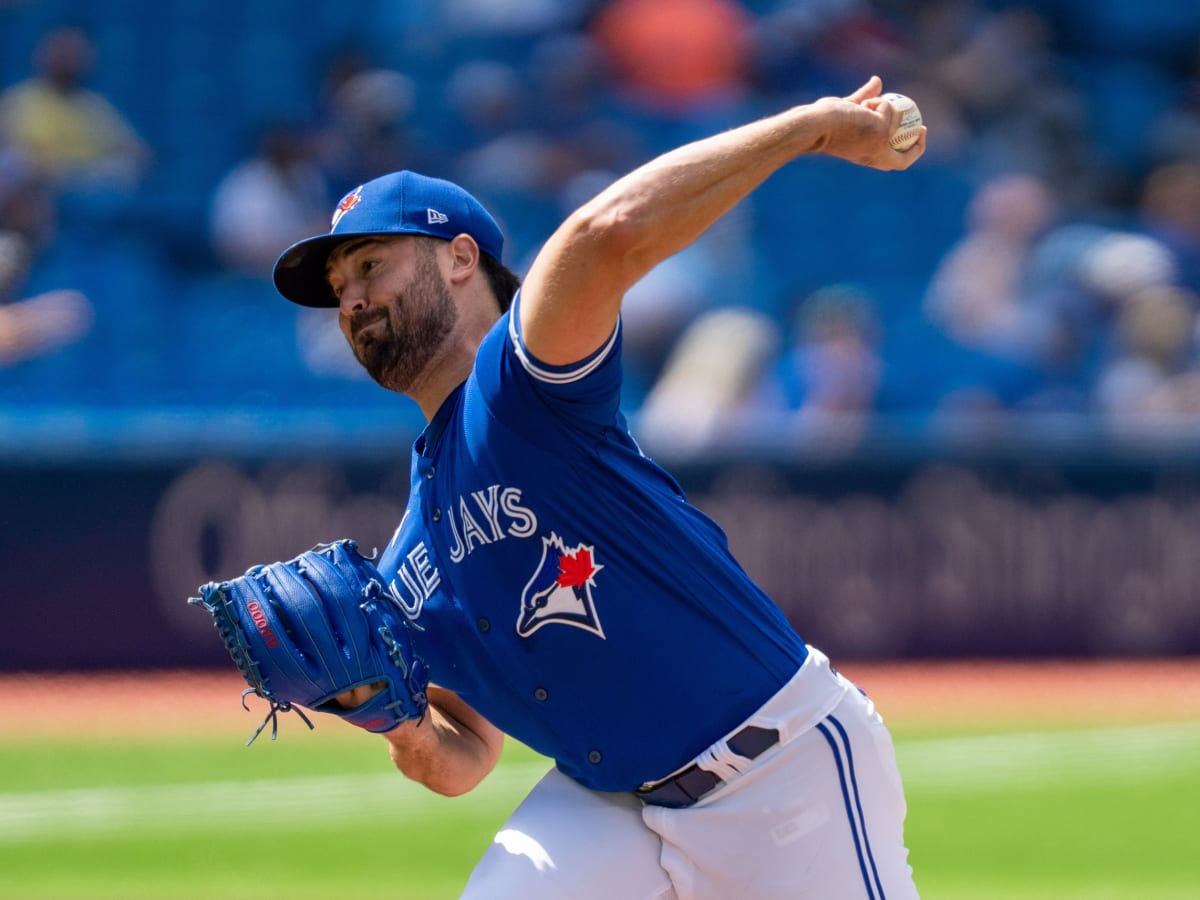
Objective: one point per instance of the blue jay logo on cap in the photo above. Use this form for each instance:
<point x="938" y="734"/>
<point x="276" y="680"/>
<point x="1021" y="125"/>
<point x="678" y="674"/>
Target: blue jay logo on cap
<point x="347" y="203"/>
<point x="561" y="589"/>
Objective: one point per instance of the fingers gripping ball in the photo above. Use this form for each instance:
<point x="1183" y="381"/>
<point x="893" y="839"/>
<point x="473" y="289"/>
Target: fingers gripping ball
<point x="304" y="631"/>
<point x="909" y="129"/>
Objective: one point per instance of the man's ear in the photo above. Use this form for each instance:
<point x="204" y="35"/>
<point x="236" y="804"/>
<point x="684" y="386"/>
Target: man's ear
<point x="464" y="258"/>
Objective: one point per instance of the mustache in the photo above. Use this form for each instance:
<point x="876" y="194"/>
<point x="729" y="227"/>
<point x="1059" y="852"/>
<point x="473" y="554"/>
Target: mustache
<point x="365" y="317"/>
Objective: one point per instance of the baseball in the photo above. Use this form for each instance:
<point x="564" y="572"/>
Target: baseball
<point x="909" y="129"/>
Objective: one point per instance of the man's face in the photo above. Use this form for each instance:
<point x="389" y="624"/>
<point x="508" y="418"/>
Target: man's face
<point x="394" y="307"/>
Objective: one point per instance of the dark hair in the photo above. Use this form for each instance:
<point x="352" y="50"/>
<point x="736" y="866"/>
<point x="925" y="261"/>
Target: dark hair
<point x="503" y="281"/>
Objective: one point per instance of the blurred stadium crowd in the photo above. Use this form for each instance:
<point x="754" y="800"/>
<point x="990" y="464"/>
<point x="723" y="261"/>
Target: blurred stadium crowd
<point x="1041" y="264"/>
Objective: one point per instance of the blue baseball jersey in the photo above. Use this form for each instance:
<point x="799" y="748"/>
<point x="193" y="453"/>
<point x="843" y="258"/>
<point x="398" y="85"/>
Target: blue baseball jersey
<point x="560" y="583"/>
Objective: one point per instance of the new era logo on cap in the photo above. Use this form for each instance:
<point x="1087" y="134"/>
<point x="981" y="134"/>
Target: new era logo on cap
<point x="436" y="218"/>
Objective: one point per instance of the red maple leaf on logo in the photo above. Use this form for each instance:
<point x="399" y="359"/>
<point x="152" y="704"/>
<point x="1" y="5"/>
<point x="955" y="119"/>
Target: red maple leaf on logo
<point x="348" y="203"/>
<point x="574" y="569"/>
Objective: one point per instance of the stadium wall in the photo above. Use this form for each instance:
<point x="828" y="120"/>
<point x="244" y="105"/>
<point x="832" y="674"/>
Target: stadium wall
<point x="872" y="558"/>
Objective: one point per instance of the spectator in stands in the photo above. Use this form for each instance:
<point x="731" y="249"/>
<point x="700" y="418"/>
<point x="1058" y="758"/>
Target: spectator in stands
<point x="27" y="208"/>
<point x="659" y="310"/>
<point x="1169" y="208"/>
<point x="500" y="149"/>
<point x="1012" y="89"/>
<point x="801" y="45"/>
<point x="978" y="295"/>
<point x="1086" y="275"/>
<point x="677" y="57"/>
<point x="1148" y="321"/>
<point x="570" y="76"/>
<point x="508" y="152"/>
<point x="366" y="128"/>
<point x="708" y="388"/>
<point x="76" y="135"/>
<point x="798" y="46"/>
<point x="31" y="326"/>
<point x="830" y="374"/>
<point x="1152" y="371"/>
<point x="269" y="200"/>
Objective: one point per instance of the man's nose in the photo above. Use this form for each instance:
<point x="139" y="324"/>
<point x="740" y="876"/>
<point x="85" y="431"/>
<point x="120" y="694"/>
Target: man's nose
<point x="353" y="299"/>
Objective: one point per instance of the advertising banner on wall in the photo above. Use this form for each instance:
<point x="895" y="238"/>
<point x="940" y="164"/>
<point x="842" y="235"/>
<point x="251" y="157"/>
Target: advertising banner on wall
<point x="903" y="560"/>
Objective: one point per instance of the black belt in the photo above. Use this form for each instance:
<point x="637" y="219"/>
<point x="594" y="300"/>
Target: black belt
<point x="689" y="786"/>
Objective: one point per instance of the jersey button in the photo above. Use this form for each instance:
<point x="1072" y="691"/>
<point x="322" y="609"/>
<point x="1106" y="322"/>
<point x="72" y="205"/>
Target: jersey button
<point x="594" y="757"/>
<point x="436" y="515"/>
<point x="541" y="693"/>
<point x="429" y="472"/>
<point x="484" y="625"/>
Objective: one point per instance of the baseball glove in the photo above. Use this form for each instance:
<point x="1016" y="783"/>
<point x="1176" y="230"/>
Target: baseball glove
<point x="303" y="631"/>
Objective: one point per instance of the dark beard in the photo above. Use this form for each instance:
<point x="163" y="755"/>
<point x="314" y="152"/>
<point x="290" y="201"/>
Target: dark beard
<point x="415" y="325"/>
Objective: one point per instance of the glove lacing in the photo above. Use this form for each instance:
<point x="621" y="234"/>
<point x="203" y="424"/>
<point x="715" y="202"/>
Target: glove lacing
<point x="400" y="661"/>
<point x="273" y="715"/>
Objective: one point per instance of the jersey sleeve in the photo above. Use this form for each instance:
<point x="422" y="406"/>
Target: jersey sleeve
<point x="515" y="384"/>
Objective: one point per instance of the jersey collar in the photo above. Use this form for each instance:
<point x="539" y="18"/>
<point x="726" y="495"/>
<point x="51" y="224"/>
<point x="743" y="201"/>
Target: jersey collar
<point x="427" y="442"/>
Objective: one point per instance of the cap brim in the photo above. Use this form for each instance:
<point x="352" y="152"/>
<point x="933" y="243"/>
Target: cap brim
<point x="300" y="270"/>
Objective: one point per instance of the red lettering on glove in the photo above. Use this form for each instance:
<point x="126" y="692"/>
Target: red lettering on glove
<point x="261" y="623"/>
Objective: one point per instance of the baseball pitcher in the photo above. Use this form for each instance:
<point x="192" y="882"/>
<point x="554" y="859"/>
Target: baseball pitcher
<point x="550" y="582"/>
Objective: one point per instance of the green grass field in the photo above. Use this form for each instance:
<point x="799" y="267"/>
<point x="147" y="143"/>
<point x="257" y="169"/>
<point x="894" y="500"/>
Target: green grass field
<point x="1094" y="813"/>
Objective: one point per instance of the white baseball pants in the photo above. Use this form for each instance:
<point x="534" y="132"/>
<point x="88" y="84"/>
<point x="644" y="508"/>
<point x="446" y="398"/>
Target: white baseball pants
<point x="820" y="815"/>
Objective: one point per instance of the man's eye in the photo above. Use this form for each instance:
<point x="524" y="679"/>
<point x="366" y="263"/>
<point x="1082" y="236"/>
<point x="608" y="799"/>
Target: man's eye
<point x="368" y="265"/>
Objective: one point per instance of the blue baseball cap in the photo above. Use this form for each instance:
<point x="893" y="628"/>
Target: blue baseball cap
<point x="399" y="203"/>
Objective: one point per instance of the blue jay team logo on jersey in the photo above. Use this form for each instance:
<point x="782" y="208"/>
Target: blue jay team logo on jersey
<point x="561" y="589"/>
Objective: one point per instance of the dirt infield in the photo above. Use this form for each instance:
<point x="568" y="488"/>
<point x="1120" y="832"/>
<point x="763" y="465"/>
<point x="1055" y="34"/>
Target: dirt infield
<point x="909" y="694"/>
